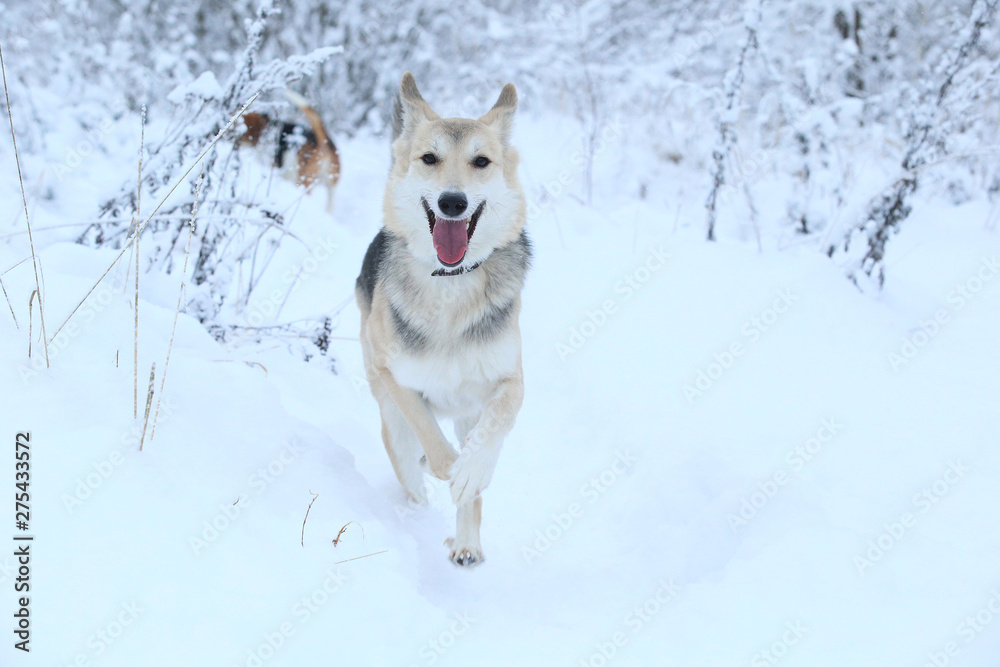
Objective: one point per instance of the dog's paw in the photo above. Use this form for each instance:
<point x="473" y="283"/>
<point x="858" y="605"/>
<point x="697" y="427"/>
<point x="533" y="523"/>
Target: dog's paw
<point x="472" y="473"/>
<point x="440" y="469"/>
<point x="464" y="555"/>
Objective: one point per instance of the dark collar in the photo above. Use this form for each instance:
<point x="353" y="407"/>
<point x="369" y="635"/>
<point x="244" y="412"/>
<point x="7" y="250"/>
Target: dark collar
<point x="456" y="271"/>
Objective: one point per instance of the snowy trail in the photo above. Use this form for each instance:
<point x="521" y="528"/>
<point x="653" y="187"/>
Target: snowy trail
<point x="613" y="527"/>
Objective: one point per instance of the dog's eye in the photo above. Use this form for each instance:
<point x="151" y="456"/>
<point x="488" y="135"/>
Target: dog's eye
<point x="482" y="161"/>
<point x="429" y="158"/>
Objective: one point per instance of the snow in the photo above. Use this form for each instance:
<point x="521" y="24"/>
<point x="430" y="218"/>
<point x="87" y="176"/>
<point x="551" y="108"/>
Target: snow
<point x="204" y="87"/>
<point x="718" y="461"/>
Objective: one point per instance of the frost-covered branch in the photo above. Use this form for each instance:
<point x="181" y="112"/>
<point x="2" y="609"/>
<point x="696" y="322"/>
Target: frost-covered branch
<point x="926" y="138"/>
<point x="732" y="91"/>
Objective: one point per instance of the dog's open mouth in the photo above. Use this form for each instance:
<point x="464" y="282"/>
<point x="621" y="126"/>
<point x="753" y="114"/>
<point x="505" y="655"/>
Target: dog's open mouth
<point x="451" y="237"/>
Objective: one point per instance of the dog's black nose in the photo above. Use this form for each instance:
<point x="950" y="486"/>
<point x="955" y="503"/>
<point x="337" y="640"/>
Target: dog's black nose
<point x="453" y="203"/>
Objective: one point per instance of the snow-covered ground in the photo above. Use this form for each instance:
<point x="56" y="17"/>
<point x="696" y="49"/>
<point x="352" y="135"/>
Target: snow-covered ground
<point x="725" y="456"/>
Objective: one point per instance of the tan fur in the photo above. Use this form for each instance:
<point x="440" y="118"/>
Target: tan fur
<point x="255" y="124"/>
<point x="317" y="162"/>
<point x="479" y="384"/>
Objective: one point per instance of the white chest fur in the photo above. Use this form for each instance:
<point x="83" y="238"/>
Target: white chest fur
<point x="460" y="381"/>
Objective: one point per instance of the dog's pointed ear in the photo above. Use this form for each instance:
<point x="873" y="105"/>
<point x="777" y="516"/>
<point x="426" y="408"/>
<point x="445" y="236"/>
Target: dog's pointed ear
<point x="501" y="116"/>
<point x="410" y="109"/>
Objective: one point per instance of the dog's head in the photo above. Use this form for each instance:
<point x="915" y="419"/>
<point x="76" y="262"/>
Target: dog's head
<point x="453" y="192"/>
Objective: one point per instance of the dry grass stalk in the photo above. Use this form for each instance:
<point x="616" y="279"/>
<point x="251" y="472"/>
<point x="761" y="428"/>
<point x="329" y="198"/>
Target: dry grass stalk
<point x="149" y="402"/>
<point x="27" y="218"/>
<point x="31" y="320"/>
<point x="135" y="221"/>
<point x="336" y="540"/>
<point x="302" y="538"/>
<point x="360" y="557"/>
<point x="180" y="297"/>
<point x="9" y="304"/>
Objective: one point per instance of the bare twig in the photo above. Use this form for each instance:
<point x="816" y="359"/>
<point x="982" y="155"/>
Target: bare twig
<point x="149" y="402"/>
<point x="288" y="293"/>
<point x="142" y="148"/>
<point x="360" y="557"/>
<point x="15" y="266"/>
<point x="31" y="319"/>
<point x="257" y="363"/>
<point x="732" y="91"/>
<point x="302" y="538"/>
<point x="180" y="297"/>
<point x="9" y="305"/>
<point x="27" y="218"/>
<point x="138" y="214"/>
<point x="336" y="540"/>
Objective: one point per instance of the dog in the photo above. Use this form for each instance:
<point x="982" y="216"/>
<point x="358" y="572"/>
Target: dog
<point x="440" y="295"/>
<point x="315" y="155"/>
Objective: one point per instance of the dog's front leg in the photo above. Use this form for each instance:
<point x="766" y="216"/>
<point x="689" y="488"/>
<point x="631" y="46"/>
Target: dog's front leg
<point x="473" y="470"/>
<point x="465" y="548"/>
<point x="440" y="455"/>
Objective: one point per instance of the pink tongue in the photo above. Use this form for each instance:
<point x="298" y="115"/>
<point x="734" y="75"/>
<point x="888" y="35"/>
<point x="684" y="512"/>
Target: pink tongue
<point x="450" y="240"/>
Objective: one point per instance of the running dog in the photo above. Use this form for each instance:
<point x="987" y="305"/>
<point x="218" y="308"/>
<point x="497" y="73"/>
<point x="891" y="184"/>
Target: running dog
<point x="315" y="155"/>
<point x="440" y="294"/>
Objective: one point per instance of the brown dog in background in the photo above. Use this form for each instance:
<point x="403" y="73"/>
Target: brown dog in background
<point x="316" y="157"/>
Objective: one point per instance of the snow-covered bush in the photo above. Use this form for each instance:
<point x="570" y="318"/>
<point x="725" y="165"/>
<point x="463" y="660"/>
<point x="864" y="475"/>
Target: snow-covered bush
<point x="768" y="110"/>
<point x="232" y="226"/>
